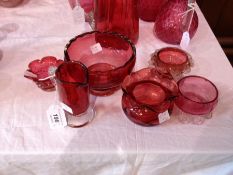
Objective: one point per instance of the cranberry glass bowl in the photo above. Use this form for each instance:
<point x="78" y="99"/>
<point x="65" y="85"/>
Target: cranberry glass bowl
<point x="172" y="60"/>
<point x="41" y="70"/>
<point x="197" y="95"/>
<point x="147" y="94"/>
<point x="109" y="57"/>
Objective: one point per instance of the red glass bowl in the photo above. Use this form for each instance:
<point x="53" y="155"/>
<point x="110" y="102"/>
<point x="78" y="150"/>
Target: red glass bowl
<point x="197" y="95"/>
<point x="147" y="94"/>
<point x="44" y="84"/>
<point x="39" y="71"/>
<point x="172" y="60"/>
<point x="109" y="57"/>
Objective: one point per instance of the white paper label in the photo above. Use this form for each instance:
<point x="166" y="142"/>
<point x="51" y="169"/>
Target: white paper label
<point x="163" y="117"/>
<point x="79" y="14"/>
<point x="56" y="117"/>
<point x="96" y="48"/>
<point x="30" y="74"/>
<point x="185" y="40"/>
<point x="66" y="108"/>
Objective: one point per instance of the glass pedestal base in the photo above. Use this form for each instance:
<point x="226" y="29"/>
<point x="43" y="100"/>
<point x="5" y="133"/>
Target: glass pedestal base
<point x="186" y="118"/>
<point x="77" y="121"/>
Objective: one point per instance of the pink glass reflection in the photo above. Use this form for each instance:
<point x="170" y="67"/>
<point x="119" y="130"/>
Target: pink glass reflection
<point x="169" y="22"/>
<point x="197" y="95"/>
<point x="148" y="9"/>
<point x="73" y="88"/>
<point x="147" y="93"/>
<point x="113" y="60"/>
<point x="119" y="16"/>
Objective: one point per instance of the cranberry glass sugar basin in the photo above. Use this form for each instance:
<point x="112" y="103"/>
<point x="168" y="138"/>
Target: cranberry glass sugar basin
<point x="197" y="95"/>
<point x="169" y="22"/>
<point x="172" y="60"/>
<point x="119" y="16"/>
<point x="147" y="95"/>
<point x="109" y="57"/>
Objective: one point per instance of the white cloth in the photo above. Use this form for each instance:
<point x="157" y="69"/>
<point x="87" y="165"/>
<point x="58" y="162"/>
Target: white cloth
<point x="111" y="144"/>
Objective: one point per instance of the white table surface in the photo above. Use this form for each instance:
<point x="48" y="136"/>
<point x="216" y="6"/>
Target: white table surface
<point x="111" y="144"/>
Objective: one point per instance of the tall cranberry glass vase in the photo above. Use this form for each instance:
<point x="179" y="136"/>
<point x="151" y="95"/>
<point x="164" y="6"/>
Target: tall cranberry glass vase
<point x="119" y="16"/>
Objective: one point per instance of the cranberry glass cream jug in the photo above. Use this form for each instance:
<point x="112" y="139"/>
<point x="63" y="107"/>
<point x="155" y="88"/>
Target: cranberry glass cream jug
<point x="119" y="16"/>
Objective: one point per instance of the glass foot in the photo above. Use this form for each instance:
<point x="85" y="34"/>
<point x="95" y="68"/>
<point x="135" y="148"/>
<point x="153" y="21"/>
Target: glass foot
<point x="186" y="118"/>
<point x="81" y="120"/>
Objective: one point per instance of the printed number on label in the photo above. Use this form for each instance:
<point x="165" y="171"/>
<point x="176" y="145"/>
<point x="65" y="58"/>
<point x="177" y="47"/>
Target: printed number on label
<point x="96" y="48"/>
<point x="56" y="117"/>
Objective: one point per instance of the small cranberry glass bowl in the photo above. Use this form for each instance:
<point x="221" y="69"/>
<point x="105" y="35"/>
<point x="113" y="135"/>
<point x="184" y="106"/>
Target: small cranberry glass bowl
<point x="172" y="60"/>
<point x="147" y="95"/>
<point x="41" y="71"/>
<point x="197" y="99"/>
<point x="109" y="57"/>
